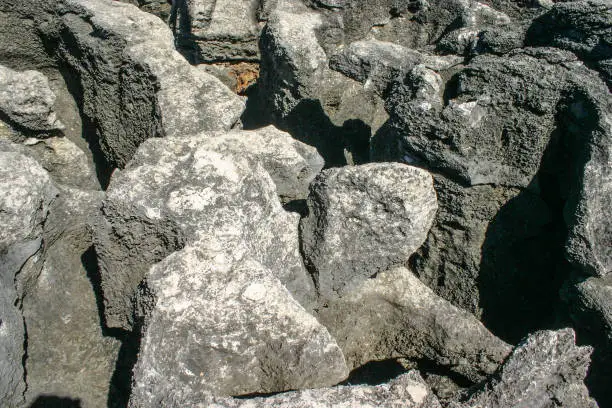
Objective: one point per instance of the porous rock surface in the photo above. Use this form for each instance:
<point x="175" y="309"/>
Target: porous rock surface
<point x="363" y="220"/>
<point x="546" y="369"/>
<point x="396" y="316"/>
<point x="27" y="101"/>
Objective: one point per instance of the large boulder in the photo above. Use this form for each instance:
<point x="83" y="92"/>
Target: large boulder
<point x="169" y="197"/>
<point x="408" y="391"/>
<point x="222" y="325"/>
<point x="546" y="369"/>
<point x="363" y="220"/>
<point x="396" y="316"/>
<point x="27" y="101"/>
<point x="134" y="85"/>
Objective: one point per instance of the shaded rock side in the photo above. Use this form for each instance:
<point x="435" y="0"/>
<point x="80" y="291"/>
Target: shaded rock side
<point x="26" y="193"/>
<point x="546" y="369"/>
<point x="396" y="316"/>
<point x="407" y="391"/>
<point x="169" y="197"/>
<point x="226" y="326"/>
<point x="27" y="101"/>
<point x="68" y="354"/>
<point x="363" y="220"/>
<point x="134" y="84"/>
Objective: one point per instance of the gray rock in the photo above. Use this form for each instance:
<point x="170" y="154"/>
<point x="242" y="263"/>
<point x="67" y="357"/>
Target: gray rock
<point x="67" y="354"/>
<point x="396" y="316"/>
<point x="218" y="30"/>
<point x="160" y="8"/>
<point x="223" y="324"/>
<point x="547" y="369"/>
<point x="291" y="164"/>
<point x="583" y="27"/>
<point x="135" y="85"/>
<point x="26" y="192"/>
<point x="27" y="101"/>
<point x="406" y="391"/>
<point x="169" y="197"/>
<point x="363" y="220"/>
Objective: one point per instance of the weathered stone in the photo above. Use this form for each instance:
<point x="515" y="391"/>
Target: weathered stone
<point x="547" y="369"/>
<point x="67" y="353"/>
<point x="583" y="27"/>
<point x="218" y="30"/>
<point x="26" y="193"/>
<point x="226" y="326"/>
<point x="169" y="197"/>
<point x="363" y="220"/>
<point x="405" y="391"/>
<point x="27" y="101"/>
<point x="291" y="164"/>
<point x="396" y="316"/>
<point x="134" y="84"/>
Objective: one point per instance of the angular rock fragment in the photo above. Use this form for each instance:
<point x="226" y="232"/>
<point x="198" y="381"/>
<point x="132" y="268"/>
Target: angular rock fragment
<point x="134" y="84"/>
<point x="291" y="164"/>
<point x="396" y="316"/>
<point x="590" y="302"/>
<point x="169" y="197"/>
<point x="225" y="326"/>
<point x="406" y="391"/>
<point x="67" y="353"/>
<point x="547" y="369"/>
<point x="26" y="192"/>
<point x="363" y="220"/>
<point x="27" y="101"/>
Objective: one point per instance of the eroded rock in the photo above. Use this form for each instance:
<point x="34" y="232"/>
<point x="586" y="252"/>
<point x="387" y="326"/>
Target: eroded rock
<point x="363" y="220"/>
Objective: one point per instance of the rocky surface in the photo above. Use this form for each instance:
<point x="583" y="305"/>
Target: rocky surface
<point x="363" y="220"/>
<point x="546" y="369"/>
<point x="449" y="163"/>
<point x="396" y="316"/>
<point x="27" y="101"/>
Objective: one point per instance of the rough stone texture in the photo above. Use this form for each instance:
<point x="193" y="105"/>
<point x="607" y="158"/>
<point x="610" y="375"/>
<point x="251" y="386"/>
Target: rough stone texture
<point x="583" y="27"/>
<point x="364" y="219"/>
<point x="134" y="84"/>
<point x="67" y="354"/>
<point x="26" y="192"/>
<point x="160" y="8"/>
<point x="396" y="316"/>
<point x="167" y="198"/>
<point x="489" y="126"/>
<point x="545" y="370"/>
<point x="223" y="324"/>
<point x="27" y="101"/>
<point x="406" y="391"/>
<point x="218" y="30"/>
<point x="291" y="164"/>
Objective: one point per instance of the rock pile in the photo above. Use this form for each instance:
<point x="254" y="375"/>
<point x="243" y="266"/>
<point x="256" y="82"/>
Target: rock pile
<point x="406" y="205"/>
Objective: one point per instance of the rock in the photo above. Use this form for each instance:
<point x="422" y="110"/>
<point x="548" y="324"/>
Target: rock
<point x="169" y="197"/>
<point x="291" y="164"/>
<point x="396" y="316"/>
<point x="134" y="84"/>
<point x="218" y="30"/>
<point x="363" y="220"/>
<point x="160" y="8"/>
<point x="26" y="192"/>
<point x="407" y="390"/>
<point x="583" y="27"/>
<point x="461" y="129"/>
<point x="60" y="309"/>
<point x="27" y="101"/>
<point x="546" y="369"/>
<point x="226" y="326"/>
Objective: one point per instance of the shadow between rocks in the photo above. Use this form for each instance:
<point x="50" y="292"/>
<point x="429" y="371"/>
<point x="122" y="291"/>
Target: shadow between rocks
<point x="52" y="401"/>
<point x="375" y="373"/>
<point x="121" y="380"/>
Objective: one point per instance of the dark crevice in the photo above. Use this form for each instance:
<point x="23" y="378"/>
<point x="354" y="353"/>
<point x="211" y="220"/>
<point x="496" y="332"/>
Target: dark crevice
<point x="52" y="401"/>
<point x="121" y="380"/>
<point x="297" y="206"/>
<point x="375" y="373"/>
